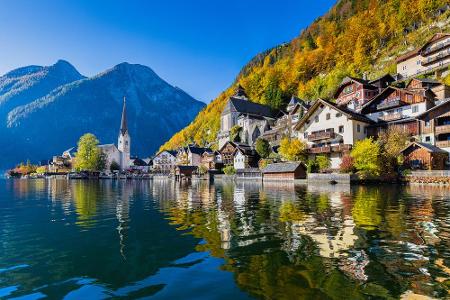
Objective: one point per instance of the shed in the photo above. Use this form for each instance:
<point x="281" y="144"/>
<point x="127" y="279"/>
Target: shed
<point x="424" y="156"/>
<point x="184" y="171"/>
<point x="285" y="171"/>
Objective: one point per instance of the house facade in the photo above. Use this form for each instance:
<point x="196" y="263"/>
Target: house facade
<point x="164" y="162"/>
<point x="190" y="155"/>
<point x="431" y="57"/>
<point x="245" y="157"/>
<point x="355" y="92"/>
<point x="395" y="107"/>
<point x="331" y="130"/>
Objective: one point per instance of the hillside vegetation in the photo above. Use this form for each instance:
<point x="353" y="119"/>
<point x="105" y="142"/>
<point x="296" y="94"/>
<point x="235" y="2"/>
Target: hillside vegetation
<point x="353" y="38"/>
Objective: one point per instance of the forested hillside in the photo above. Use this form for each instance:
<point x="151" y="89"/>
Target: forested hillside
<point x="353" y="38"/>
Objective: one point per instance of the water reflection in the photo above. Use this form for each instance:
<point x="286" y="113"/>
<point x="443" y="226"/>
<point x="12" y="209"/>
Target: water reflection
<point x="271" y="240"/>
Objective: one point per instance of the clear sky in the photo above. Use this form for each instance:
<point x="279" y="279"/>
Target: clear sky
<point x="197" y="45"/>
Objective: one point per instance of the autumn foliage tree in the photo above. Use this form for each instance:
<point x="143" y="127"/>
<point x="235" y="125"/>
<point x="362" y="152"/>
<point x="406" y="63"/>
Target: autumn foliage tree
<point x="89" y="157"/>
<point x="292" y="150"/>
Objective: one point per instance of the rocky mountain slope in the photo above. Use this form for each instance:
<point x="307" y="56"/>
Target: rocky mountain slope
<point x="41" y="125"/>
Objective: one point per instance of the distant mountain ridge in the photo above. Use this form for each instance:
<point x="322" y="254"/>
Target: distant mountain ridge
<point x="46" y="109"/>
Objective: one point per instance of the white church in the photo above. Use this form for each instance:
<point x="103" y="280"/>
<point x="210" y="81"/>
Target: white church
<point x="121" y="153"/>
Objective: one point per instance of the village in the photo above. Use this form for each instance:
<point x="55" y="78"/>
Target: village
<point x="384" y="128"/>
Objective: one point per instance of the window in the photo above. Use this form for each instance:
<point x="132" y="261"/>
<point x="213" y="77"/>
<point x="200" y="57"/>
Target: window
<point x="305" y="135"/>
<point x="338" y="115"/>
<point x="415" y="109"/>
<point x="341" y="129"/>
<point x="328" y="116"/>
<point x="358" y="128"/>
<point x="427" y="139"/>
<point x="427" y="123"/>
<point x="365" y="130"/>
<point x="316" y="119"/>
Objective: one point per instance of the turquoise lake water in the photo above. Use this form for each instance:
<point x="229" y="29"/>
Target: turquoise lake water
<point x="245" y="240"/>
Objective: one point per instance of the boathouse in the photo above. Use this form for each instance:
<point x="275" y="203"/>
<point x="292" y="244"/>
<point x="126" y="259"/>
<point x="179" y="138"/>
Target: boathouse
<point x="285" y="171"/>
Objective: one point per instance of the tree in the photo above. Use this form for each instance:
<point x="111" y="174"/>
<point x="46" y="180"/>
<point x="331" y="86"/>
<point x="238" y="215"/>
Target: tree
<point x="88" y="156"/>
<point x="366" y="156"/>
<point x="235" y="132"/>
<point x="393" y="141"/>
<point x="293" y="150"/>
<point x="229" y="170"/>
<point x="323" y="162"/>
<point x="202" y="170"/>
<point x="114" y="166"/>
<point x="263" y="148"/>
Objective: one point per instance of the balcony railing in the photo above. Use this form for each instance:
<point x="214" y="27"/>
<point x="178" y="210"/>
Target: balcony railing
<point x="435" y="48"/>
<point x="390" y="103"/>
<point x="317" y="150"/>
<point x="443" y="144"/>
<point x="391" y="117"/>
<point x="321" y="135"/>
<point x="442" y="129"/>
<point x="434" y="59"/>
<point x="341" y="148"/>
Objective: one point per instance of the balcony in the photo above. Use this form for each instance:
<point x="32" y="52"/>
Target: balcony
<point x="435" y="48"/>
<point x="442" y="129"/>
<point x="391" y="117"/>
<point x="318" y="150"/>
<point x="321" y="135"/>
<point x="443" y="144"/>
<point x="432" y="60"/>
<point x="390" y="103"/>
<point x="341" y="148"/>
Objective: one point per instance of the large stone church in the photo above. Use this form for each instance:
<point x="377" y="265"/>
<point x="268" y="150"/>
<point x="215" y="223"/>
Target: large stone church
<point x="121" y="153"/>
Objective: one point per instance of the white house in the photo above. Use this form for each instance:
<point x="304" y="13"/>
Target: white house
<point x="331" y="130"/>
<point x="164" y="162"/>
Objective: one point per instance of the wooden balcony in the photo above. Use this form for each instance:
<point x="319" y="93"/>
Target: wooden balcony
<point x="321" y="135"/>
<point x="390" y="103"/>
<point x="318" y="150"/>
<point x="436" y="58"/>
<point x="443" y="144"/>
<point x="442" y="129"/>
<point x="436" y="48"/>
<point x="341" y="148"/>
<point x="391" y="117"/>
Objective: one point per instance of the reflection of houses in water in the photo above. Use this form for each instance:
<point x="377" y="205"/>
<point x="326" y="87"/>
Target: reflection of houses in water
<point x="123" y="215"/>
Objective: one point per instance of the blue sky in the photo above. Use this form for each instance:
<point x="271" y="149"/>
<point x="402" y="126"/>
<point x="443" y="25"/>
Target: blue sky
<point x="197" y="45"/>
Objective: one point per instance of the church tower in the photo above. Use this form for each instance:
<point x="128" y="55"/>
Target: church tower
<point x="124" y="142"/>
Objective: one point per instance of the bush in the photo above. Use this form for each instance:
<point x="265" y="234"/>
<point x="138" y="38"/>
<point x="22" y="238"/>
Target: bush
<point x="263" y="163"/>
<point x="229" y="170"/>
<point x="263" y="148"/>
<point x="366" y="157"/>
<point x="312" y="166"/>
<point x="293" y="150"/>
<point x="202" y="170"/>
<point x="323" y="162"/>
<point x="346" y="165"/>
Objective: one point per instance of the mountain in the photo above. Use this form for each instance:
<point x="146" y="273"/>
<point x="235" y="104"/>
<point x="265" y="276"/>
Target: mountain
<point x="21" y="85"/>
<point x="353" y="38"/>
<point x="53" y="122"/>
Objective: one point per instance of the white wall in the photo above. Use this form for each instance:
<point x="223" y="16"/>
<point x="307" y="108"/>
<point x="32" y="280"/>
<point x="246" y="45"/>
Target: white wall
<point x="239" y="161"/>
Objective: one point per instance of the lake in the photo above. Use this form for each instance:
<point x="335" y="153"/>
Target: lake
<point x="244" y="240"/>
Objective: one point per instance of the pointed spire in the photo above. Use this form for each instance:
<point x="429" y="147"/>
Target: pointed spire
<point x="124" y="123"/>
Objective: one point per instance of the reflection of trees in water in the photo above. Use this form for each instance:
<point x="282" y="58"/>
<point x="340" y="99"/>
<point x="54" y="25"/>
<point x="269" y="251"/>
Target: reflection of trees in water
<point x="287" y="241"/>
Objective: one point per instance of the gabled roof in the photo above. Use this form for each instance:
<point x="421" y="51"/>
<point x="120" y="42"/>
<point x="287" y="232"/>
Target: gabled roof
<point x="347" y="80"/>
<point x="287" y="167"/>
<point x="139" y="162"/>
<point x="415" y="52"/>
<point x="426" y="113"/>
<point x="245" y="150"/>
<point x="385" y="77"/>
<point x="350" y="114"/>
<point x="385" y="92"/>
<point x="428" y="147"/>
<point x="171" y="152"/>
<point x="425" y="80"/>
<point x="251" y="108"/>
<point x="197" y="150"/>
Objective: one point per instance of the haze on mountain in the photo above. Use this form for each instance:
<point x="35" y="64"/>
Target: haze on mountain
<point x="44" y="110"/>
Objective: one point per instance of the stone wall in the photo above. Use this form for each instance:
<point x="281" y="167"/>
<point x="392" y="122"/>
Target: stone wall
<point x="429" y="177"/>
<point x="332" y="177"/>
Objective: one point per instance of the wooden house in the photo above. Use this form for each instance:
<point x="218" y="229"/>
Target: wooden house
<point x="424" y="156"/>
<point x="285" y="171"/>
<point x="354" y="92"/>
<point x="435" y="126"/>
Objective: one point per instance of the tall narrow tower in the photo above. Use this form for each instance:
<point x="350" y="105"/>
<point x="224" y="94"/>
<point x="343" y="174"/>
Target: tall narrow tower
<point x="124" y="142"/>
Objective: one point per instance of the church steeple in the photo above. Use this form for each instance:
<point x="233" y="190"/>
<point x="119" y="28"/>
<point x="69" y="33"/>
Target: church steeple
<point x="124" y="123"/>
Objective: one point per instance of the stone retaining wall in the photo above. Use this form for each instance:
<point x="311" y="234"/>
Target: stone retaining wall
<point x="332" y="177"/>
